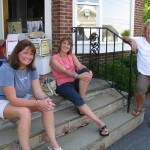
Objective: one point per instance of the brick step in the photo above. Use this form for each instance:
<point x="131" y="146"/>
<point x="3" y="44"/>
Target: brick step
<point x="66" y="118"/>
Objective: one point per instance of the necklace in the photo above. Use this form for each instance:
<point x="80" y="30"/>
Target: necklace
<point x="66" y="62"/>
<point x="62" y="57"/>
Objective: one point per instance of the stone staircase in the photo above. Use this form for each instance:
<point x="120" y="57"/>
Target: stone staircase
<point x="75" y="131"/>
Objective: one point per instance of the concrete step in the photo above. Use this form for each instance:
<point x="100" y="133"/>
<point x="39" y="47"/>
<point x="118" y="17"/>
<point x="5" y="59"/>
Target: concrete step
<point x="66" y="118"/>
<point x="119" y="124"/>
<point x="96" y="86"/>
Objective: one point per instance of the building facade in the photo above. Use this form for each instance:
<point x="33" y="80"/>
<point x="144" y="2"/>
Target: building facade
<point x="62" y="18"/>
<point x="57" y="17"/>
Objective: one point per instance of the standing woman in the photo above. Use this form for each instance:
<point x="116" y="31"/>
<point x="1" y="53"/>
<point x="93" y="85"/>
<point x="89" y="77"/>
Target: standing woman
<point x="72" y="80"/>
<point x="141" y="45"/>
<point x="17" y="78"/>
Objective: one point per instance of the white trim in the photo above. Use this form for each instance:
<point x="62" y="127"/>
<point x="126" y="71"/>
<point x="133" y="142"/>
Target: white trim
<point x="110" y="47"/>
<point x="1" y="20"/>
<point x="100" y="9"/>
<point x="48" y="21"/>
<point x="74" y="14"/>
<point x="132" y="11"/>
<point x="88" y="3"/>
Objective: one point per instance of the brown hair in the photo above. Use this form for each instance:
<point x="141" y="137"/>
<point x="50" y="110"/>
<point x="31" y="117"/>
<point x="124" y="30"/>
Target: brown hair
<point x="14" y="59"/>
<point x="146" y="24"/>
<point x="65" y="39"/>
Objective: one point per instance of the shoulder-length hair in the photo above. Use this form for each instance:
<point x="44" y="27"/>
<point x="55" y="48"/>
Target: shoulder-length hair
<point x="146" y="24"/>
<point x="14" y="58"/>
<point x="65" y="39"/>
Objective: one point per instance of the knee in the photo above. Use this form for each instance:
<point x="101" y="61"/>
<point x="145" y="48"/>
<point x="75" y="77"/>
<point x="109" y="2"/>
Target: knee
<point x="25" y="113"/>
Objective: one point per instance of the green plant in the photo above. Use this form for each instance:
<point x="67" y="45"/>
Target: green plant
<point x="125" y="33"/>
<point x="146" y="10"/>
<point x="117" y="71"/>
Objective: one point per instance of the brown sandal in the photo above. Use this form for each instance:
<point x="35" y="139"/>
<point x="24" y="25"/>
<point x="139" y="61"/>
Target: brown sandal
<point x="136" y="112"/>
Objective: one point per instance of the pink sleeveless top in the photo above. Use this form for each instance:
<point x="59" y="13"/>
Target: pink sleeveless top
<point x="68" y="64"/>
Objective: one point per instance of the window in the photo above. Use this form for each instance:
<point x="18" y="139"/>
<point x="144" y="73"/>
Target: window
<point x="86" y="17"/>
<point x="25" y="16"/>
<point x="116" y="16"/>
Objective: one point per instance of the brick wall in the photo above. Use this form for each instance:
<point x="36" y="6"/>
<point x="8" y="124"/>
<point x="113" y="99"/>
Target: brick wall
<point x="138" y="17"/>
<point x="61" y="21"/>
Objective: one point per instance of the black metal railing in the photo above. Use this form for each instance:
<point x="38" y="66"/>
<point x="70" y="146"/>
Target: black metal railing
<point x="100" y="49"/>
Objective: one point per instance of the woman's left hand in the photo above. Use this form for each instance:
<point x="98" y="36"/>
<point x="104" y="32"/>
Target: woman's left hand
<point x="49" y="101"/>
<point x="86" y="76"/>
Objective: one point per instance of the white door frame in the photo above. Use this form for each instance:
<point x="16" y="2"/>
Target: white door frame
<point x="1" y="20"/>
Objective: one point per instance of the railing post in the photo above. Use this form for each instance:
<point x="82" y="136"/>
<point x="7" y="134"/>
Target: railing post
<point x="130" y="81"/>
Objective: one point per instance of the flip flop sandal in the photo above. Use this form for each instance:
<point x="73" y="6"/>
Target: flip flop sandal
<point x="103" y="132"/>
<point x="136" y="112"/>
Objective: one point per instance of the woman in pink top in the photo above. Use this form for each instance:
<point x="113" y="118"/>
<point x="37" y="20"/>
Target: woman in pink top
<point x="72" y="80"/>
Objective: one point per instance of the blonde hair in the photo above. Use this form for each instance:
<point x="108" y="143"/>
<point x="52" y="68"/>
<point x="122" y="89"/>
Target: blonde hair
<point x="146" y="24"/>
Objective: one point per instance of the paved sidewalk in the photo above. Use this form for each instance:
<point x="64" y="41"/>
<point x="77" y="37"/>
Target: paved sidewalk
<point x="139" y="139"/>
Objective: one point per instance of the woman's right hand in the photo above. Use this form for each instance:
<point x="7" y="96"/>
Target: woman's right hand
<point x="45" y="105"/>
<point x="134" y="46"/>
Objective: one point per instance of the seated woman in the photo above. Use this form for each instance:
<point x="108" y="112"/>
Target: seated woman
<point x="70" y="84"/>
<point x="17" y="78"/>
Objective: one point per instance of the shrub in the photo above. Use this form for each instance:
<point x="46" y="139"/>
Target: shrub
<point x="116" y="71"/>
<point x="125" y="33"/>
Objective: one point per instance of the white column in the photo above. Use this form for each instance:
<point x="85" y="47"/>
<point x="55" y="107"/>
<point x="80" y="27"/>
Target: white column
<point x="1" y="20"/>
<point x="132" y="10"/>
<point x="48" y="21"/>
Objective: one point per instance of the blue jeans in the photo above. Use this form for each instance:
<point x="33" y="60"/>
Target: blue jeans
<point x="70" y="90"/>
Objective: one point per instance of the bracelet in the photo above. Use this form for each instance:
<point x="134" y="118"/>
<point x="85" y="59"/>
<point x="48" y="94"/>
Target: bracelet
<point x="36" y="101"/>
<point x="76" y="76"/>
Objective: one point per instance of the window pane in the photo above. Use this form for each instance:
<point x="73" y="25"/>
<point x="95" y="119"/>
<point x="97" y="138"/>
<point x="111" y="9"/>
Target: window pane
<point x="116" y="16"/>
<point x="86" y="17"/>
<point x="29" y="14"/>
<point x="35" y="9"/>
<point x="91" y="1"/>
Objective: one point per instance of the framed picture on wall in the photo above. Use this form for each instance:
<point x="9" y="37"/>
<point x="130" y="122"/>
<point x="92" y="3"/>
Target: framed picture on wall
<point x="34" y="26"/>
<point x="14" y="27"/>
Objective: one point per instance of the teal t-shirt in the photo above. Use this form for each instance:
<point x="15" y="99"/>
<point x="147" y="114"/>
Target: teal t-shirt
<point x="20" y="79"/>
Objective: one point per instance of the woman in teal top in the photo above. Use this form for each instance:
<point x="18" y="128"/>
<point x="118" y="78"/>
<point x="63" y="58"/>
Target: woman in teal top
<point x="18" y="78"/>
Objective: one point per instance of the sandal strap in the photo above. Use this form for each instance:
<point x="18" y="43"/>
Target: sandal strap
<point x="136" y="112"/>
<point x="103" y="132"/>
<point x="104" y="127"/>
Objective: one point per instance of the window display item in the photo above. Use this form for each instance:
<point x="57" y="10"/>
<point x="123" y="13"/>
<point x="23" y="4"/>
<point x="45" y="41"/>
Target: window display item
<point x="42" y="46"/>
